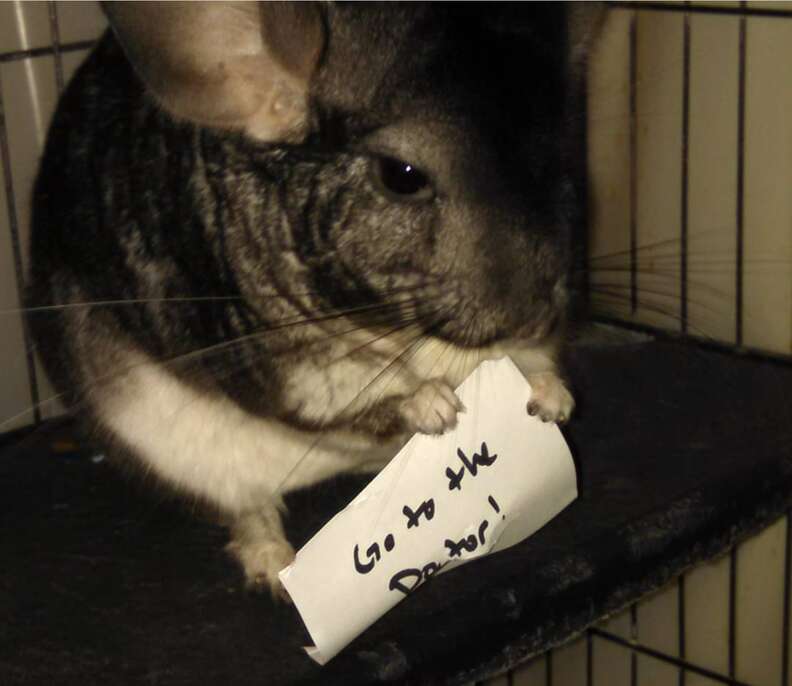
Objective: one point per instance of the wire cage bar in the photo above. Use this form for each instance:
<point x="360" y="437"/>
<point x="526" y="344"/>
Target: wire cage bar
<point x="597" y="636"/>
<point x="56" y="49"/>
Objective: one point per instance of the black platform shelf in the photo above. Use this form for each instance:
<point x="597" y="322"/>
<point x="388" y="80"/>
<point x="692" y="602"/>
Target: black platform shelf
<point x="681" y="453"/>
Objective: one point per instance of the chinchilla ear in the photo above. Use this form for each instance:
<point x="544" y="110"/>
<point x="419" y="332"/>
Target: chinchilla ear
<point x="235" y="65"/>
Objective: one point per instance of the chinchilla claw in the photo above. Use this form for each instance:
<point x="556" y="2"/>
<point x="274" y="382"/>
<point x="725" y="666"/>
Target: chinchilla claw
<point x="550" y="399"/>
<point x="261" y="561"/>
<point x="432" y="409"/>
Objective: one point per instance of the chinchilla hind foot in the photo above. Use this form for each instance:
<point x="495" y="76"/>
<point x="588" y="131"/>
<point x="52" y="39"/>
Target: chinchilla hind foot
<point x="261" y="548"/>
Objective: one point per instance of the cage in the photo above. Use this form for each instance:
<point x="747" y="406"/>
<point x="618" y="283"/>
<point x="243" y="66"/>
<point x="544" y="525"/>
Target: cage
<point x="690" y="157"/>
<point x="691" y="234"/>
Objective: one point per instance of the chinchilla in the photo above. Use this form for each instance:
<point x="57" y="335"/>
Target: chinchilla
<point x="278" y="235"/>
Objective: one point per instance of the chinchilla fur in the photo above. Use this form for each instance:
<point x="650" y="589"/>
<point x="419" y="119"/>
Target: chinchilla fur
<point x="276" y="236"/>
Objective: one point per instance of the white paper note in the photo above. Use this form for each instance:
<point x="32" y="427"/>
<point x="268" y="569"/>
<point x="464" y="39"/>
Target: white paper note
<point x="494" y="480"/>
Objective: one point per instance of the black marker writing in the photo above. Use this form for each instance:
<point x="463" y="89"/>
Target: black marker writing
<point x="454" y="478"/>
<point x="374" y="556"/>
<point x="469" y="543"/>
<point x="480" y="459"/>
<point x="482" y="528"/>
<point x="426" y="508"/>
<point x="372" y="553"/>
<point x="416" y="576"/>
<point x="407" y="580"/>
<point x="495" y="506"/>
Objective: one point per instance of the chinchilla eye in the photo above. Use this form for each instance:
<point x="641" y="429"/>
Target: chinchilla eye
<point x="402" y="179"/>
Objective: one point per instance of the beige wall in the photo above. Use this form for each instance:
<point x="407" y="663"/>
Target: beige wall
<point x="712" y="238"/>
<point x="712" y="181"/>
<point x="29" y="90"/>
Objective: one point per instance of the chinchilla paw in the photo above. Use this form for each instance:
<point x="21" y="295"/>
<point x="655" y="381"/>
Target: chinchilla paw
<point x="550" y="399"/>
<point x="261" y="561"/>
<point x="432" y="409"/>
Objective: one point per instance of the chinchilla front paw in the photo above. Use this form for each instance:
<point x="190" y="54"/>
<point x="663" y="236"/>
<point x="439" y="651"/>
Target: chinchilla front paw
<point x="550" y="399"/>
<point x="432" y="409"/>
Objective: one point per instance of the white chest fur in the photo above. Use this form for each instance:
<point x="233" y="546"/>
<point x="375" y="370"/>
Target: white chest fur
<point x="206" y="445"/>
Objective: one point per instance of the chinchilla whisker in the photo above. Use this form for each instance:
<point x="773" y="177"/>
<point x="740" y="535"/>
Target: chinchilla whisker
<point x="672" y="269"/>
<point x="33" y="406"/>
<point x="616" y="288"/>
<point x="694" y="285"/>
<point x="694" y="280"/>
<point x="673" y="261"/>
<point x="624" y="296"/>
<point x="209" y="299"/>
<point x="714" y="316"/>
<point x="460" y="353"/>
<point x="401" y="327"/>
<point x="474" y="323"/>
<point x="175" y="360"/>
<point x="727" y="256"/>
<point x="402" y="359"/>
<point x="703" y="264"/>
<point x="299" y="320"/>
<point x="241" y="364"/>
<point x="409" y="352"/>
<point x="652" y="307"/>
<point x="461" y="358"/>
<point x="605" y="312"/>
<point x="262" y="332"/>
<point x="654" y="245"/>
<point x="373" y="311"/>
<point x="397" y="476"/>
<point x="697" y="331"/>
<point x="419" y="339"/>
<point x="671" y="276"/>
<point x="118" y="303"/>
<point x="390" y="308"/>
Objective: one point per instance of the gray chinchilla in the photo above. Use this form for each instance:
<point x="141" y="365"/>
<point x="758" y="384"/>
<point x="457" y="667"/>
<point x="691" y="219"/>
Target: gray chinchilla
<point x="285" y="232"/>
